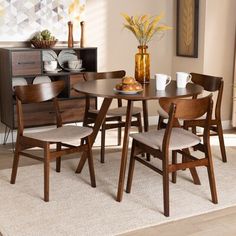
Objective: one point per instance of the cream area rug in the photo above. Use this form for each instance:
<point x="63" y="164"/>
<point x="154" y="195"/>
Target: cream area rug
<point x="75" y="208"/>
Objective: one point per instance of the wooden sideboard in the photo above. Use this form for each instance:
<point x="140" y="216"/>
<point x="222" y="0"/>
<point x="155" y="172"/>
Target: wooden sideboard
<point x="28" y="63"/>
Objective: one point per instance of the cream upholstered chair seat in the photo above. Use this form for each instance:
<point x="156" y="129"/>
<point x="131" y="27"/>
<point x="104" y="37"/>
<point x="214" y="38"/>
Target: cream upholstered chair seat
<point x="179" y="139"/>
<point x="119" y="111"/>
<point x="64" y="134"/>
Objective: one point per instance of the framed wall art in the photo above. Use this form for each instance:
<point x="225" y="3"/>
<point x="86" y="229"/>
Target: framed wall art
<point x="187" y="28"/>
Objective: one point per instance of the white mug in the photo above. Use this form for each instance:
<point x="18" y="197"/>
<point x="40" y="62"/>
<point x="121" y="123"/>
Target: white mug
<point x="50" y="65"/>
<point x="182" y="79"/>
<point x="162" y="81"/>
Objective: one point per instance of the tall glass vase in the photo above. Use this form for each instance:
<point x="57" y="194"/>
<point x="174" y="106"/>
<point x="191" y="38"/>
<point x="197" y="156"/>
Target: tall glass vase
<point x="142" y="65"/>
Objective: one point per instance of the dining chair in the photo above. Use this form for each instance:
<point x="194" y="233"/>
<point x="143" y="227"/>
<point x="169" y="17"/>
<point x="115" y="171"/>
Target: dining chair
<point x="61" y="136"/>
<point x="114" y="115"/>
<point x="176" y="139"/>
<point x="210" y="84"/>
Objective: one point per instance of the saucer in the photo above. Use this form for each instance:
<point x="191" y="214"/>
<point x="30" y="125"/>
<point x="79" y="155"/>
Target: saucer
<point x="74" y="70"/>
<point x="53" y="71"/>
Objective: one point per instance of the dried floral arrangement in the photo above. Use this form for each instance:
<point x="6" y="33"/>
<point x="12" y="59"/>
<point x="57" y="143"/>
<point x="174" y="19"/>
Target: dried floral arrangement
<point x="144" y="27"/>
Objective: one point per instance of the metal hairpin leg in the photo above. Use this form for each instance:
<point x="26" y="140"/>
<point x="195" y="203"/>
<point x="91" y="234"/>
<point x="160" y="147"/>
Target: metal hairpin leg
<point x="6" y="135"/>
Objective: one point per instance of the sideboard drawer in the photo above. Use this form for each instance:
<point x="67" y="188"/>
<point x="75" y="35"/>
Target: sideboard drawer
<point x="26" y="63"/>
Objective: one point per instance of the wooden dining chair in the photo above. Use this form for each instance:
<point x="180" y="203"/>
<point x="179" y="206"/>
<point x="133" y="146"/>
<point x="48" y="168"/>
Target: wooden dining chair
<point x="61" y="136"/>
<point x="176" y="139"/>
<point x="210" y="84"/>
<point x="114" y="115"/>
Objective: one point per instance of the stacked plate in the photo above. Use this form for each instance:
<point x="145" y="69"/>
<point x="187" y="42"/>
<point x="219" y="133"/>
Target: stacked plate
<point x="18" y="81"/>
<point x="49" y="55"/>
<point x="41" y="79"/>
<point x="65" y="56"/>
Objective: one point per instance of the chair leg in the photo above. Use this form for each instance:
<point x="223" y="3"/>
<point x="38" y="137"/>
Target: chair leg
<point x="103" y="136"/>
<point x="194" y="131"/>
<point x="160" y="122"/>
<point x="193" y="171"/>
<point x="58" y="160"/>
<point x="90" y="163"/>
<point x="221" y="140"/>
<point x="131" y="169"/>
<point x="140" y="130"/>
<point x="119" y="134"/>
<point x="166" y="187"/>
<point x="139" y="119"/>
<point x="15" y="163"/>
<point x="174" y="161"/>
<point x="211" y="176"/>
<point x="81" y="163"/>
<point x="46" y="172"/>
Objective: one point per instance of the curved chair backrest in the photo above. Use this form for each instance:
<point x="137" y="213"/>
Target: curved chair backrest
<point x="104" y="75"/>
<point x="211" y="84"/>
<point x="186" y="109"/>
<point x="208" y="82"/>
<point x="34" y="93"/>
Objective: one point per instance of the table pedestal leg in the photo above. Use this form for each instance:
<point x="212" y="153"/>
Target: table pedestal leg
<point x="124" y="151"/>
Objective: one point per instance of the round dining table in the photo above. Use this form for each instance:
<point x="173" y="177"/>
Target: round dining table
<point x="106" y="88"/>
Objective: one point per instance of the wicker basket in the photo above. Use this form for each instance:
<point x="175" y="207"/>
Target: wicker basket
<point x="43" y="43"/>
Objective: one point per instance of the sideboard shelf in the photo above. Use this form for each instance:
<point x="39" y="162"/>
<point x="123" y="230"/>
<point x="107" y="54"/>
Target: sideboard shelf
<point x="28" y="63"/>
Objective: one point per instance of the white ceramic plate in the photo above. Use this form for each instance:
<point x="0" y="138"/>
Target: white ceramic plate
<point x="53" y="71"/>
<point x="49" y="55"/>
<point x="41" y="79"/>
<point x="127" y="92"/>
<point x="18" y="81"/>
<point x="65" y="56"/>
<point x="74" y="70"/>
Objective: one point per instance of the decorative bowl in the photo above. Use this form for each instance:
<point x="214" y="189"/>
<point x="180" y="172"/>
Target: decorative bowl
<point x="43" y="43"/>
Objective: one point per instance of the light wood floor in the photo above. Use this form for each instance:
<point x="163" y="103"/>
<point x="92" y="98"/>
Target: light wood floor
<point x="218" y="223"/>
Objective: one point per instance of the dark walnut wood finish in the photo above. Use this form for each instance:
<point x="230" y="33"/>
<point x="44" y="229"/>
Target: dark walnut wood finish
<point x="215" y="85"/>
<point x="177" y="109"/>
<point x="38" y="94"/>
<point x="27" y="63"/>
<point x="111" y="122"/>
<point x="104" y="88"/>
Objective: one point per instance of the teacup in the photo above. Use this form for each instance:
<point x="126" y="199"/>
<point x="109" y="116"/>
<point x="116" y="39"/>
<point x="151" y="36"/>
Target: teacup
<point x="182" y="79"/>
<point x="75" y="64"/>
<point x="50" y="65"/>
<point x="162" y="81"/>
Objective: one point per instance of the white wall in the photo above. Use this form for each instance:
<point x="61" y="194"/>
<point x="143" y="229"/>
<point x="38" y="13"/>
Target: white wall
<point x="219" y="46"/>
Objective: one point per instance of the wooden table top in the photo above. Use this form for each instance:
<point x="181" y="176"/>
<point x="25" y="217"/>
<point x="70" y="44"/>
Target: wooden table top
<point x="104" y="88"/>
